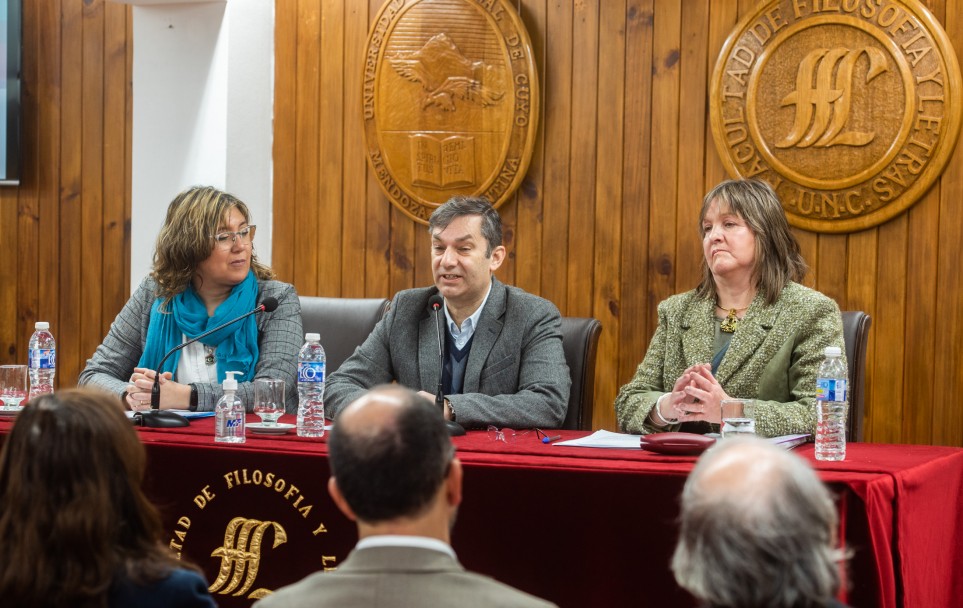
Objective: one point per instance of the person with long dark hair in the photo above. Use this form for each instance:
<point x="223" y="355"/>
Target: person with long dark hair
<point x="76" y="530"/>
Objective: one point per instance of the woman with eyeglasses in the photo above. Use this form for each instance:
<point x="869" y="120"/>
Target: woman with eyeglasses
<point x="205" y="273"/>
<point x="75" y="526"/>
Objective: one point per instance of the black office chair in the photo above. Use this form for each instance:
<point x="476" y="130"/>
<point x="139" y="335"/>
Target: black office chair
<point x="580" y="339"/>
<point x="856" y="334"/>
<point x="343" y="323"/>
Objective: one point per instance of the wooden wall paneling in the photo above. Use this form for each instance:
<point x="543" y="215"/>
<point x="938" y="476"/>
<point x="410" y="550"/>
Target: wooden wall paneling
<point x="948" y="344"/>
<point x="921" y="252"/>
<point x="378" y="215"/>
<point x="608" y="197"/>
<point x="353" y="219"/>
<point x="116" y="241"/>
<point x="509" y="214"/>
<point x="424" y="275"/>
<point x="633" y="335"/>
<point x="45" y="215"/>
<point x="285" y="151"/>
<point x="861" y="271"/>
<point x="41" y="26"/>
<point x="529" y="247"/>
<point x="8" y="276"/>
<point x="665" y="155"/>
<point x="327" y="240"/>
<point x="891" y="309"/>
<point x="722" y="18"/>
<point x="308" y="206"/>
<point x="89" y="233"/>
<point x="556" y="86"/>
<point x="830" y="273"/>
<point x="586" y="64"/>
<point x="70" y="205"/>
<point x="693" y="66"/>
<point x="401" y="273"/>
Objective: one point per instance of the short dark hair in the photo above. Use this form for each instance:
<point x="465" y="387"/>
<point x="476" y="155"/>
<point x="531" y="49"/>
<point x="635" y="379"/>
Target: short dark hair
<point x="762" y="540"/>
<point x="396" y="470"/>
<point x="460" y="206"/>
<point x="778" y="257"/>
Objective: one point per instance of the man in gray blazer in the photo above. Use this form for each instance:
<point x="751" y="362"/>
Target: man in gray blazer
<point x="503" y="358"/>
<point x="394" y="472"/>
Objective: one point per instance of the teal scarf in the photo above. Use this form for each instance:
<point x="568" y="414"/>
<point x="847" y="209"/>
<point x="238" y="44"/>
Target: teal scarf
<point x="186" y="315"/>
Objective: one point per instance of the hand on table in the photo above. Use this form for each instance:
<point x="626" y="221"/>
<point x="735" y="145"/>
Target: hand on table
<point x="172" y="394"/>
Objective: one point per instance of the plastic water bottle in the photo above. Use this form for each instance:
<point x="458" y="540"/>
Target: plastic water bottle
<point x="229" y="414"/>
<point x="43" y="360"/>
<point x="311" y="362"/>
<point x="831" y="406"/>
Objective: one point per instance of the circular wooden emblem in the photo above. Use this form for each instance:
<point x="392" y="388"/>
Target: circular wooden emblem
<point x="849" y="108"/>
<point x="450" y="101"/>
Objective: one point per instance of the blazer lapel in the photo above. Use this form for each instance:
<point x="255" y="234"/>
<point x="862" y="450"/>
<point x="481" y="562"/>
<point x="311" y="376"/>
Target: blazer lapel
<point x="697" y="336"/>
<point x="750" y="334"/>
<point x="486" y="334"/>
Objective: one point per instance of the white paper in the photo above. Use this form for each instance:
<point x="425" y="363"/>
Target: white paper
<point x="604" y="439"/>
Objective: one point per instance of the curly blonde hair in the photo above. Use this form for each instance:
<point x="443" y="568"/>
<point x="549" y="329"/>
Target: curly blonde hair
<point x="185" y="239"/>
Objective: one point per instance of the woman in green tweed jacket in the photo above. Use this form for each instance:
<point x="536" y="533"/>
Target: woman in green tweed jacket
<point x="748" y="330"/>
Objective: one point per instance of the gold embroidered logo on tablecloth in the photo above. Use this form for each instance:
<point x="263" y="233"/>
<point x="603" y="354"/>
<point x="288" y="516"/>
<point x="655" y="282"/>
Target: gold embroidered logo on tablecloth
<point x="244" y="548"/>
<point x="849" y="108"/>
<point x="449" y="101"/>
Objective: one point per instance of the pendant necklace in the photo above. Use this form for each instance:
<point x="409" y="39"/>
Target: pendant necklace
<point x="209" y="357"/>
<point x="731" y="322"/>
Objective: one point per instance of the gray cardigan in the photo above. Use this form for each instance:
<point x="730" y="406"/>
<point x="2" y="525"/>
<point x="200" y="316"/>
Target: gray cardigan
<point x="516" y="374"/>
<point x="279" y="340"/>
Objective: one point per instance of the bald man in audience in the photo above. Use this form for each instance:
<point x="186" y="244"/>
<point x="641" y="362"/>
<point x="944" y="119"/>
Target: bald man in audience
<point x="758" y="530"/>
<point x="394" y="473"/>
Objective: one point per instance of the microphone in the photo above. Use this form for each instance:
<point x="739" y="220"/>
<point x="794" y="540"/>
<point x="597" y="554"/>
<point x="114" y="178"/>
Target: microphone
<point x="268" y="304"/>
<point x="435" y="303"/>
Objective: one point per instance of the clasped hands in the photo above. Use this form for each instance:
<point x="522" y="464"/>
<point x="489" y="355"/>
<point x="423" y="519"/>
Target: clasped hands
<point x="172" y="394"/>
<point x="696" y="395"/>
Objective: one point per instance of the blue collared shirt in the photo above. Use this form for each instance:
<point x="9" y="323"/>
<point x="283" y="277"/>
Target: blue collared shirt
<point x="461" y="335"/>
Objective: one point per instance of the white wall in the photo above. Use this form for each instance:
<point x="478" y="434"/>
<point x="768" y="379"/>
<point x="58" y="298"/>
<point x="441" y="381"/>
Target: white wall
<point x="203" y="108"/>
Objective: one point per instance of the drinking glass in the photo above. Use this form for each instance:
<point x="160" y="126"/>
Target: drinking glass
<point x="269" y="400"/>
<point x="13" y="385"/>
<point x="737" y="417"/>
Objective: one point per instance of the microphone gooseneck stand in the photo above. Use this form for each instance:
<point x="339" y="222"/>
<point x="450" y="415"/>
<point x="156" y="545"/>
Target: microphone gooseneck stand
<point x="435" y="303"/>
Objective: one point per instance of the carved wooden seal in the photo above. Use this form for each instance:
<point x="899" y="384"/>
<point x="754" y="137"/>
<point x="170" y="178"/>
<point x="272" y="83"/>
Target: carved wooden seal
<point x="449" y="101"/>
<point x="849" y="108"/>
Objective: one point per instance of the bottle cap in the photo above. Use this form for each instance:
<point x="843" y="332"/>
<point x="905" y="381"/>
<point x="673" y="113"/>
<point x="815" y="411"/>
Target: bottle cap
<point x="230" y="384"/>
<point x="41" y="325"/>
<point x="832" y="351"/>
<point x="312" y="337"/>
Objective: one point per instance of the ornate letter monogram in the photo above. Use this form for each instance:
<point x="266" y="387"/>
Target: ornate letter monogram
<point x="849" y="108"/>
<point x="449" y="101"/>
<point x="241" y="555"/>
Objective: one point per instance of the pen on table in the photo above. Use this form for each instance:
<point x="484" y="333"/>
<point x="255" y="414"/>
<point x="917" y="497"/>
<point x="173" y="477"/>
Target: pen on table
<point x="551" y="439"/>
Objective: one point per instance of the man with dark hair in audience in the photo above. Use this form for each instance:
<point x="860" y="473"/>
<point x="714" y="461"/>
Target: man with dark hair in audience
<point x="503" y="357"/>
<point x="758" y="530"/>
<point x="394" y="472"/>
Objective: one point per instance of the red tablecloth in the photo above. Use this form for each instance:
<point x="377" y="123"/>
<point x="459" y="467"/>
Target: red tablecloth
<point x="579" y="526"/>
